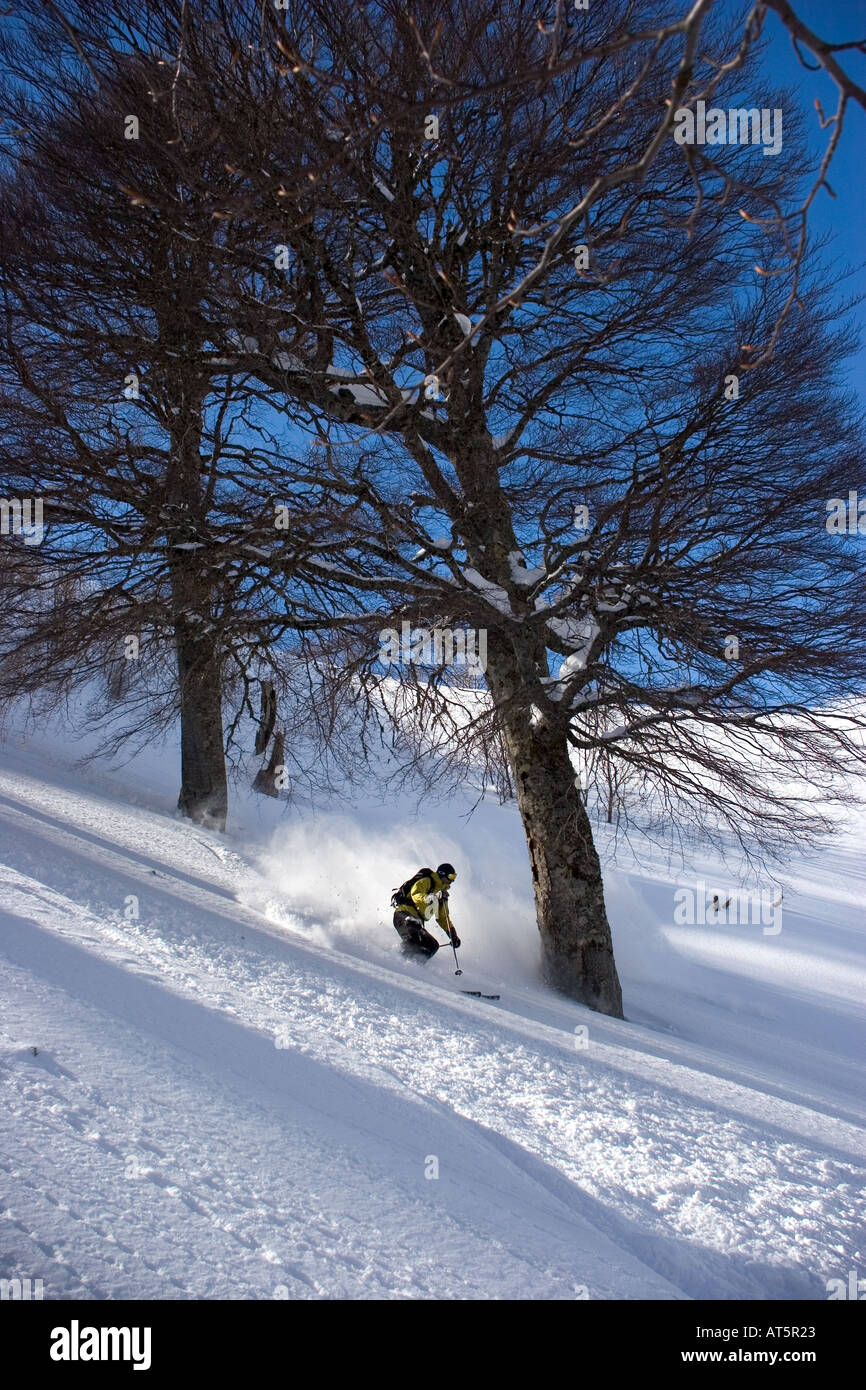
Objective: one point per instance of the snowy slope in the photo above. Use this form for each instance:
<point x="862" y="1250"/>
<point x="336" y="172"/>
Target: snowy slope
<point x="239" y="1093"/>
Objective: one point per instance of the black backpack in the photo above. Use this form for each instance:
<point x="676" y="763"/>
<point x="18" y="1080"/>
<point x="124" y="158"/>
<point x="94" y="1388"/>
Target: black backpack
<point x="400" y="896"/>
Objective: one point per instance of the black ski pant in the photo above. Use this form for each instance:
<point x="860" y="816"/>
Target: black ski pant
<point x="417" y="941"/>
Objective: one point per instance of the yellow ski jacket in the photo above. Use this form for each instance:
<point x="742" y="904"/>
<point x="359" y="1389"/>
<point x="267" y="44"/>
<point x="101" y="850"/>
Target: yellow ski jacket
<point x="426" y="902"/>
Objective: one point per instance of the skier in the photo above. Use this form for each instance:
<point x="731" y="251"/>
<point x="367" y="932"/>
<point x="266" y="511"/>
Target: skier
<point x="420" y="899"/>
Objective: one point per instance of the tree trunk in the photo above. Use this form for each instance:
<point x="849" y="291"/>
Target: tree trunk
<point x="203" y="785"/>
<point x="577" y="952"/>
<point x="268" y="717"/>
<point x="266" y="777"/>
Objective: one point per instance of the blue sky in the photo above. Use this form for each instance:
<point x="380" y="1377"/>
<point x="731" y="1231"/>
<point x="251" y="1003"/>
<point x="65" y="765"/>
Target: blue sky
<point x="837" y="21"/>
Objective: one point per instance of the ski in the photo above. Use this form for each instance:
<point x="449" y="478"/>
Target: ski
<point x="476" y="994"/>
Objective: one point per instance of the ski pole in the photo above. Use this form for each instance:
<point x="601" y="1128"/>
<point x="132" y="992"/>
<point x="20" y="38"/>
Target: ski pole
<point x="443" y="901"/>
<point x="458" y="971"/>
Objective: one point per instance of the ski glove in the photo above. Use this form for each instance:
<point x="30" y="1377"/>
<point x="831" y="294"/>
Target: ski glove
<point x="455" y="938"/>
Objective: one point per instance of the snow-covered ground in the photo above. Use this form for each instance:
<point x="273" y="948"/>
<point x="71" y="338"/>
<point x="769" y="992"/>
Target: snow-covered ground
<point x="221" y="1080"/>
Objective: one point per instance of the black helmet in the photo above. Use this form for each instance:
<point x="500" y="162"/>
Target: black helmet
<point x="447" y="871"/>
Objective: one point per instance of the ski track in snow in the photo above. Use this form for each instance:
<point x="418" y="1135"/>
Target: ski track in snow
<point x="221" y="1108"/>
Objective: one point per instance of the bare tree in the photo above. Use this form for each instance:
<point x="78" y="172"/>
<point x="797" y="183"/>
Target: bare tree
<point x="124" y="421"/>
